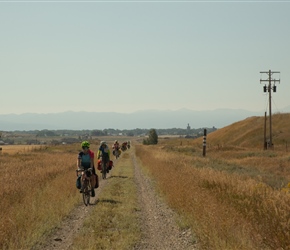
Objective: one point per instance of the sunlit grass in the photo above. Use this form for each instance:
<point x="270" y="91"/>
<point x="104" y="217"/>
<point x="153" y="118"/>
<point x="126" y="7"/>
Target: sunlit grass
<point x="14" y="149"/>
<point x="237" y="197"/>
<point x="225" y="203"/>
<point x="38" y="190"/>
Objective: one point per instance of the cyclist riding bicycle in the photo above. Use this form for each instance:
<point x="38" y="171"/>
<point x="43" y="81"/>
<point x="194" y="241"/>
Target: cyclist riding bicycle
<point x="104" y="152"/>
<point x="86" y="161"/>
<point x="116" y="147"/>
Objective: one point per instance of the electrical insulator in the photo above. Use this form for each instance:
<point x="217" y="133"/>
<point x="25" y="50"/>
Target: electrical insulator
<point x="274" y="88"/>
<point x="265" y="88"/>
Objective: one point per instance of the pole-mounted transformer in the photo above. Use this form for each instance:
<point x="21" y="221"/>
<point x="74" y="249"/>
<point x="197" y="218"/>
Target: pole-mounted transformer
<point x="269" y="88"/>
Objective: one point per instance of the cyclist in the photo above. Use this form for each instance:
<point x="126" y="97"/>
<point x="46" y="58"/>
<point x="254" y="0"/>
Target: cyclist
<point x="104" y="152"/>
<point x="86" y="161"/>
<point x="124" y="146"/>
<point x="116" y="147"/>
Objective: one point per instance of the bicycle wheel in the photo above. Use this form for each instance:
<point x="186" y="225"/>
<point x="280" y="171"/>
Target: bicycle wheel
<point x="86" y="193"/>
<point x="104" y="170"/>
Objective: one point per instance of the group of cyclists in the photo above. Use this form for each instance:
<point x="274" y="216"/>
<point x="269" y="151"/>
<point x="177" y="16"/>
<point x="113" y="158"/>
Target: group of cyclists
<point x="86" y="161"/>
<point x="117" y="148"/>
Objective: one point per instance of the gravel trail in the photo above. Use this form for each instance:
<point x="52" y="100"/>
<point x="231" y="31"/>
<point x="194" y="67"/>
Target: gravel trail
<point x="159" y="227"/>
<point x="157" y="220"/>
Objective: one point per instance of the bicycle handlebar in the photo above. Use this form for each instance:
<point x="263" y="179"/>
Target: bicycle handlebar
<point x="81" y="169"/>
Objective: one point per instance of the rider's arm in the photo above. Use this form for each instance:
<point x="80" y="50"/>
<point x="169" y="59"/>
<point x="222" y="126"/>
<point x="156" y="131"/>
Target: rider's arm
<point x="92" y="162"/>
<point x="79" y="162"/>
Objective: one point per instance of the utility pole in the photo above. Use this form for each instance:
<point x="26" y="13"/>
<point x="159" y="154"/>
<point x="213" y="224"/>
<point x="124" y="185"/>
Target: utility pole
<point x="265" y="133"/>
<point x="204" y="143"/>
<point x="269" y="88"/>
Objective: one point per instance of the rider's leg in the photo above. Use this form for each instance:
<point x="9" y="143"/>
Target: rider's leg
<point x="107" y="164"/>
<point x="93" y="183"/>
<point x="82" y="181"/>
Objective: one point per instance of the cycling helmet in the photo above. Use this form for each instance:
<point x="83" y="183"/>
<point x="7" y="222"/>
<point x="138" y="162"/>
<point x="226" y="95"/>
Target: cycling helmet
<point x="85" y="144"/>
<point x="103" y="143"/>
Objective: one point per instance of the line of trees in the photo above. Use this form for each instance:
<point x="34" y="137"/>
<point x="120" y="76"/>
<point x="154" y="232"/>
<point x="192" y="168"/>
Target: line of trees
<point x="69" y="136"/>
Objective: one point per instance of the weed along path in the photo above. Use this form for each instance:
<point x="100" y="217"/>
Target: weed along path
<point x="152" y="225"/>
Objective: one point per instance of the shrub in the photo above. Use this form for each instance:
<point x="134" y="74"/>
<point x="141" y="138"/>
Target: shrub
<point x="152" y="138"/>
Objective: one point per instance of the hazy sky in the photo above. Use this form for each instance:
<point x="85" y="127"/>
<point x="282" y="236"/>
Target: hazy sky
<point x="125" y="56"/>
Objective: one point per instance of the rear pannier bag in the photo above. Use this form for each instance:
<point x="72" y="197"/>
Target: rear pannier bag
<point x="99" y="165"/>
<point x="110" y="165"/>
<point x="78" y="182"/>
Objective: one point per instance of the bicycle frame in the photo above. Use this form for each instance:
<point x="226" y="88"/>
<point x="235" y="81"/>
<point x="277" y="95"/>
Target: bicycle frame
<point x="86" y="185"/>
<point x="116" y="153"/>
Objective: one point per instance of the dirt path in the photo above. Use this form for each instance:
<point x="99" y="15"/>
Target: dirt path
<point x="63" y="236"/>
<point x="159" y="228"/>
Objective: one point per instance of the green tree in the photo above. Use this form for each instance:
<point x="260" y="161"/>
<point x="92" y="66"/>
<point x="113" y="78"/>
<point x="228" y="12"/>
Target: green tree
<point x="152" y="138"/>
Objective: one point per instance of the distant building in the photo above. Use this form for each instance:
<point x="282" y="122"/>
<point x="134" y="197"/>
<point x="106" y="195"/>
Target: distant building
<point x="188" y="129"/>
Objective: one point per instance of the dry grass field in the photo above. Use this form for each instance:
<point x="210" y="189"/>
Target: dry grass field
<point x="16" y="149"/>
<point x="36" y="192"/>
<point x="237" y="196"/>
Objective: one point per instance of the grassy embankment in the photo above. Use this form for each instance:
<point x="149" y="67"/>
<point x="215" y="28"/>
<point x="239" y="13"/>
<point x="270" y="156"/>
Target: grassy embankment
<point x="237" y="196"/>
<point x="38" y="191"/>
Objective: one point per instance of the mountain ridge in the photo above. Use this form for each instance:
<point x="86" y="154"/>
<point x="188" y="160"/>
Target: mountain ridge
<point x="158" y="119"/>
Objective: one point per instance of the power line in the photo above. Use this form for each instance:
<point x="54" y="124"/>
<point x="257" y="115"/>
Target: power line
<point x="269" y="88"/>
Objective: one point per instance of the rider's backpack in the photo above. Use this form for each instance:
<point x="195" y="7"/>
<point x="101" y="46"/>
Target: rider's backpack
<point x="78" y="182"/>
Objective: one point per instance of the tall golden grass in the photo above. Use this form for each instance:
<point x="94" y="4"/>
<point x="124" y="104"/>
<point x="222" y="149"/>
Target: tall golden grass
<point x="250" y="133"/>
<point x="16" y="149"/>
<point x="37" y="191"/>
<point x="237" y="196"/>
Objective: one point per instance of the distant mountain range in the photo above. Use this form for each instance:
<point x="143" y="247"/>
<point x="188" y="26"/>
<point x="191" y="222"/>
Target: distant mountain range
<point x="141" y="119"/>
